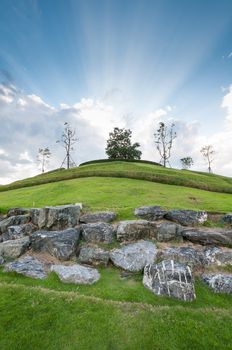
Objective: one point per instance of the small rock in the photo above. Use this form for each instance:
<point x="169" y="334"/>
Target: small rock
<point x="18" y="231"/>
<point x="98" y="232"/>
<point x="134" y="256"/>
<point x="171" y="279"/>
<point x="205" y="236"/>
<point x="103" y="216"/>
<point x="218" y="256"/>
<point x="168" y="231"/>
<point x="94" y="256"/>
<point x="221" y="283"/>
<point x="76" y="274"/>
<point x="187" y="217"/>
<point x="152" y="212"/>
<point x="14" y="248"/>
<point x="228" y="218"/>
<point x="28" y="266"/>
<point x="132" y="230"/>
<point x="14" y="220"/>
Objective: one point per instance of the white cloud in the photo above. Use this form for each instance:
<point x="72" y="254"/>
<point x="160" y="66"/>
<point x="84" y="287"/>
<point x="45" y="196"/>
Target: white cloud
<point x="227" y="104"/>
<point x="230" y="55"/>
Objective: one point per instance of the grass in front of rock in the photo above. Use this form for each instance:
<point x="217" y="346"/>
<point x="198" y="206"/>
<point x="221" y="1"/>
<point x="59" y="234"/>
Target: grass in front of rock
<point x="121" y="195"/>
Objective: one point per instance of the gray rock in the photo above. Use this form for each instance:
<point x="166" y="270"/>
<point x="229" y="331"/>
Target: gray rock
<point x="18" y="231"/>
<point x="14" y="220"/>
<point x="168" y="231"/>
<point x="1" y="260"/>
<point x="17" y="211"/>
<point x="14" y="248"/>
<point x="228" y="218"/>
<point x="61" y="244"/>
<point x="152" y="212"/>
<point x="76" y="274"/>
<point x="103" y="216"/>
<point x="205" y="236"/>
<point x="35" y="213"/>
<point x="28" y="266"/>
<point x="93" y="256"/>
<point x="218" y="256"/>
<point x="98" y="232"/>
<point x="220" y="283"/>
<point x="187" y="217"/>
<point x="134" y="256"/>
<point x="190" y="256"/>
<point x="170" y="278"/>
<point x="132" y="230"/>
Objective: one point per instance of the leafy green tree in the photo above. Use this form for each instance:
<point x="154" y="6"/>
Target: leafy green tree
<point x="186" y="162"/>
<point x="119" y="145"/>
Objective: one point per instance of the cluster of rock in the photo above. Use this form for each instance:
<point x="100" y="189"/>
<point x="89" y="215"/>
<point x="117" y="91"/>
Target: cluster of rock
<point x="68" y="235"/>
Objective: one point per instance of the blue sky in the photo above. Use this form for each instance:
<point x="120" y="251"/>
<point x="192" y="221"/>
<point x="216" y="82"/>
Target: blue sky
<point x="136" y="56"/>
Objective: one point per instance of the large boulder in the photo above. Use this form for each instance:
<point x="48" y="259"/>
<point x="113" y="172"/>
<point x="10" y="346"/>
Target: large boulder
<point x="208" y="236"/>
<point x="132" y="230"/>
<point x="76" y="274"/>
<point x="93" y="255"/>
<point x="28" y="266"/>
<point x="98" y="232"/>
<point x="220" y="283"/>
<point x="14" y="220"/>
<point x="17" y="211"/>
<point x="187" y="217"/>
<point x="218" y="256"/>
<point x="18" y="231"/>
<point x="170" y="278"/>
<point x="14" y="248"/>
<point x="193" y="257"/>
<point x="101" y="216"/>
<point x="61" y="244"/>
<point x="168" y="231"/>
<point x="56" y="217"/>
<point x="151" y="212"/>
<point x="134" y="256"/>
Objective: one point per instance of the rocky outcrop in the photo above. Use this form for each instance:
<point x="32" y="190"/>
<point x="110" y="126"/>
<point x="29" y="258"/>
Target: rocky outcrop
<point x="171" y="279"/>
<point x="151" y="213"/>
<point x="169" y="231"/>
<point x="13" y="220"/>
<point x="61" y="244"/>
<point x="98" y="232"/>
<point x="205" y="236"/>
<point x="132" y="230"/>
<point x="220" y="283"/>
<point x="187" y="217"/>
<point x="14" y="248"/>
<point x="28" y="266"/>
<point x="134" y="256"/>
<point x="101" y="216"/>
<point x="93" y="256"/>
<point x="76" y="274"/>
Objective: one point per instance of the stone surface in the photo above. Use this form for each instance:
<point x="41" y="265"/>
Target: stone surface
<point x="98" y="232"/>
<point x="14" y="248"/>
<point x="93" y="256"/>
<point x="228" y="218"/>
<point x="76" y="274"/>
<point x="152" y="212"/>
<point x="18" y="231"/>
<point x="132" y="230"/>
<point x="28" y="266"/>
<point x="1" y="260"/>
<point x="187" y="217"/>
<point x="13" y="220"/>
<point x="134" y="256"/>
<point x="61" y="244"/>
<point x="170" y="278"/>
<point x="221" y="283"/>
<point x="17" y="211"/>
<point x="205" y="236"/>
<point x="103" y="216"/>
<point x="190" y="256"/>
<point x="168" y="231"/>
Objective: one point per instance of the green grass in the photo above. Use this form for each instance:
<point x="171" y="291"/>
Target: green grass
<point x="141" y="171"/>
<point x="122" y="195"/>
<point x="114" y="313"/>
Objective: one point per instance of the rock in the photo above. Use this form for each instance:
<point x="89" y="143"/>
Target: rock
<point x="187" y="217"/>
<point x="35" y="213"/>
<point x="134" y="256"/>
<point x="103" y="216"/>
<point x="76" y="274"/>
<point x="57" y="217"/>
<point x="18" y="231"/>
<point x="152" y="212"/>
<point x="228" y="218"/>
<point x="132" y="230"/>
<point x="190" y="256"/>
<point x="98" y="232"/>
<point x="218" y="256"/>
<point x="61" y="244"/>
<point x="28" y="266"/>
<point x="17" y="211"/>
<point x="1" y="260"/>
<point x="14" y="220"/>
<point x="93" y="256"/>
<point x="206" y="236"/>
<point x="14" y="248"/>
<point x="170" y="278"/>
<point x="221" y="283"/>
<point x="168" y="231"/>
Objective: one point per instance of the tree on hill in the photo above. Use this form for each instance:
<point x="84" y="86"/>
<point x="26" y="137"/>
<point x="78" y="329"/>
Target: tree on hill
<point x="164" y="137"/>
<point x="68" y="140"/>
<point x="208" y="153"/>
<point x="186" y="162"/>
<point x="119" y="145"/>
<point x="43" y="158"/>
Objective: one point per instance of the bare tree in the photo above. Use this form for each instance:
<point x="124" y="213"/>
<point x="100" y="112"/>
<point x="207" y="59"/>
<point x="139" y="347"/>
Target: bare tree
<point x="68" y="140"/>
<point x="43" y="158"/>
<point x="164" y="137"/>
<point x="208" y="153"/>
